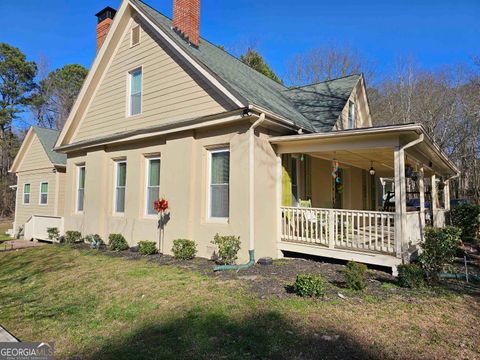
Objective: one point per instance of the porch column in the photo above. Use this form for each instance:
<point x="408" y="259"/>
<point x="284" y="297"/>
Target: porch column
<point x="400" y="201"/>
<point x="434" y="201"/>
<point x="421" y="186"/>
<point x="446" y="195"/>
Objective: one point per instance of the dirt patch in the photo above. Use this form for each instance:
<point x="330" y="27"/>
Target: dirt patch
<point x="275" y="281"/>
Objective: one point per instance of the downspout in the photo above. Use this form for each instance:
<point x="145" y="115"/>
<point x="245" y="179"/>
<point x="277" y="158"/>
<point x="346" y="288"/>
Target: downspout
<point x="251" y="200"/>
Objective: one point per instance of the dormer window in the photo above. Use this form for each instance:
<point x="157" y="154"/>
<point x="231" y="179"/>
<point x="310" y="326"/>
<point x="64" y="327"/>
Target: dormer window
<point x="135" y="36"/>
<point x="351" y="115"/>
<point x="135" y="98"/>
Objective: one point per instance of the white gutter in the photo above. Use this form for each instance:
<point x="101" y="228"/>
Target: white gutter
<point x="251" y="179"/>
<point x="414" y="142"/>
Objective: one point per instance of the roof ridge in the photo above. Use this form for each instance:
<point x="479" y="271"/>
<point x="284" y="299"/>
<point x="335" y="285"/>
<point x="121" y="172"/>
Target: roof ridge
<point x="45" y="128"/>
<point x="218" y="47"/>
<point x="324" y="81"/>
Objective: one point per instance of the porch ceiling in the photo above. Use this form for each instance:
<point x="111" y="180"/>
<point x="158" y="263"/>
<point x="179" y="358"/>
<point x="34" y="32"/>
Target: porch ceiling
<point x="361" y="147"/>
<point x="380" y="158"/>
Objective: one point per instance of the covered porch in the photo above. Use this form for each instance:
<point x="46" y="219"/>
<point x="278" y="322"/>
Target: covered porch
<point x="361" y="194"/>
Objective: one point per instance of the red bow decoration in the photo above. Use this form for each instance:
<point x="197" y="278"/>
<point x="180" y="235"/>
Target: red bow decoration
<point x="160" y="205"/>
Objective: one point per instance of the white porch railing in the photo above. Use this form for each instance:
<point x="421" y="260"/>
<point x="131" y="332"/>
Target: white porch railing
<point x="37" y="225"/>
<point x="335" y="228"/>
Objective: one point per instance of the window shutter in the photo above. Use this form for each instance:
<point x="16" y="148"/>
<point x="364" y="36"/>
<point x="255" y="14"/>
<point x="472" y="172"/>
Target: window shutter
<point x="286" y="180"/>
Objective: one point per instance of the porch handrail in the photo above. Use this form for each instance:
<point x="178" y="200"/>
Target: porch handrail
<point x="340" y="228"/>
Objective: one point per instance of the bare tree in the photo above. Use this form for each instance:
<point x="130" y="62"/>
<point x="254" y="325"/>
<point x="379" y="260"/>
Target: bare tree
<point x="326" y="63"/>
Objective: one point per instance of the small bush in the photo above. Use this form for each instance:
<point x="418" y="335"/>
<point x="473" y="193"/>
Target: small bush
<point x="410" y="276"/>
<point x="439" y="249"/>
<point x="184" y="249"/>
<point x="94" y="240"/>
<point x="53" y="233"/>
<point x="72" y="237"/>
<point x="228" y="247"/>
<point x="355" y="274"/>
<point x="309" y="285"/>
<point x="117" y="242"/>
<point x="467" y="218"/>
<point x="147" y="247"/>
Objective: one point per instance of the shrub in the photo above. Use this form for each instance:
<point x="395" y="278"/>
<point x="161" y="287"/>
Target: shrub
<point x="228" y="247"/>
<point x="72" y="237"/>
<point x="411" y="276"/>
<point x="53" y="233"/>
<point x="309" y="285"/>
<point x="117" y="242"/>
<point x="184" y="249"/>
<point x="147" y="247"/>
<point x="95" y="241"/>
<point x="355" y="275"/>
<point x="467" y="218"/>
<point x="439" y="249"/>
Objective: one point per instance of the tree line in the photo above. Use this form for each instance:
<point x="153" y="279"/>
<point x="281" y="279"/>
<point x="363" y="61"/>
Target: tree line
<point x="445" y="101"/>
<point x="30" y="95"/>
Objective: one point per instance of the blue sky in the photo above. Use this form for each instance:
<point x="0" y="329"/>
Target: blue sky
<point x="435" y="32"/>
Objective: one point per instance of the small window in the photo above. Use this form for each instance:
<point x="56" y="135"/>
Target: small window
<point x="219" y="184"/>
<point x="351" y="115"/>
<point x="44" y="193"/>
<point x="135" y="92"/>
<point x="80" y="188"/>
<point x="120" y="182"/>
<point x="153" y="184"/>
<point x="26" y="194"/>
<point x="135" y="35"/>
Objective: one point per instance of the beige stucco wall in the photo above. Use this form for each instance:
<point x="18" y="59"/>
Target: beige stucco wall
<point x="170" y="90"/>
<point x="183" y="181"/>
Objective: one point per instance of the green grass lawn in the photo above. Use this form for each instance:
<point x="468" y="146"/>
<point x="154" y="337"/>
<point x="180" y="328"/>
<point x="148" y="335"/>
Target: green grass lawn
<point x="4" y="226"/>
<point x="102" y="307"/>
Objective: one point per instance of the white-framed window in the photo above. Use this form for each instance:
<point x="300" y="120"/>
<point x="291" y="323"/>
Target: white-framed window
<point x="80" y="188"/>
<point x="152" y="184"/>
<point x="135" y="36"/>
<point x="26" y="194"/>
<point x="219" y="183"/>
<point x="135" y="92"/>
<point x="43" y="193"/>
<point x="120" y="184"/>
<point x="351" y="115"/>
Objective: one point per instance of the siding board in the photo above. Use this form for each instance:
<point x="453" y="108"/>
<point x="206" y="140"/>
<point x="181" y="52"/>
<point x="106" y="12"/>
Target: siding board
<point x="170" y="91"/>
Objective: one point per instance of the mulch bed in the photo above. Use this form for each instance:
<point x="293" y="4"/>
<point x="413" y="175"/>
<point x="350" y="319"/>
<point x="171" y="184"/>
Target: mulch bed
<point x="275" y="281"/>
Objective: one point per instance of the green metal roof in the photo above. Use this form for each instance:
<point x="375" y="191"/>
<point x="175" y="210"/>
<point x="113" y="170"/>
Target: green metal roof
<point x="256" y="88"/>
<point x="48" y="138"/>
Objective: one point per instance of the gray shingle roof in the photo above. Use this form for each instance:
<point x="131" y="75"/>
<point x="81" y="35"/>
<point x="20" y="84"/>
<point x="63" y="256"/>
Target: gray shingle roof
<point x="254" y="87"/>
<point x="322" y="103"/>
<point x="48" y="138"/>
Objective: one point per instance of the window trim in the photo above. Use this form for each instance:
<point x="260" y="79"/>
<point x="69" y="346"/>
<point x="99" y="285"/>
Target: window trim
<point x="29" y="193"/>
<point x="131" y="35"/>
<point x="147" y="168"/>
<point x="77" y="211"/>
<point x="40" y="193"/>
<point x="129" y="91"/>
<point x="351" y="105"/>
<point x="211" y="218"/>
<point x="115" y="187"/>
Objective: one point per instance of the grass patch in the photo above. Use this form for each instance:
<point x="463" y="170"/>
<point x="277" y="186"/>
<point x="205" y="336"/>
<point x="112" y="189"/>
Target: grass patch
<point x="97" y="306"/>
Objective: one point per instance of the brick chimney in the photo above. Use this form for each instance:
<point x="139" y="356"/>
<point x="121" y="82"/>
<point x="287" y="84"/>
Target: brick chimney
<point x="186" y="20"/>
<point x="105" y="20"/>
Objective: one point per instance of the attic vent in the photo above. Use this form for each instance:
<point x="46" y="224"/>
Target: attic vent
<point x="136" y="35"/>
